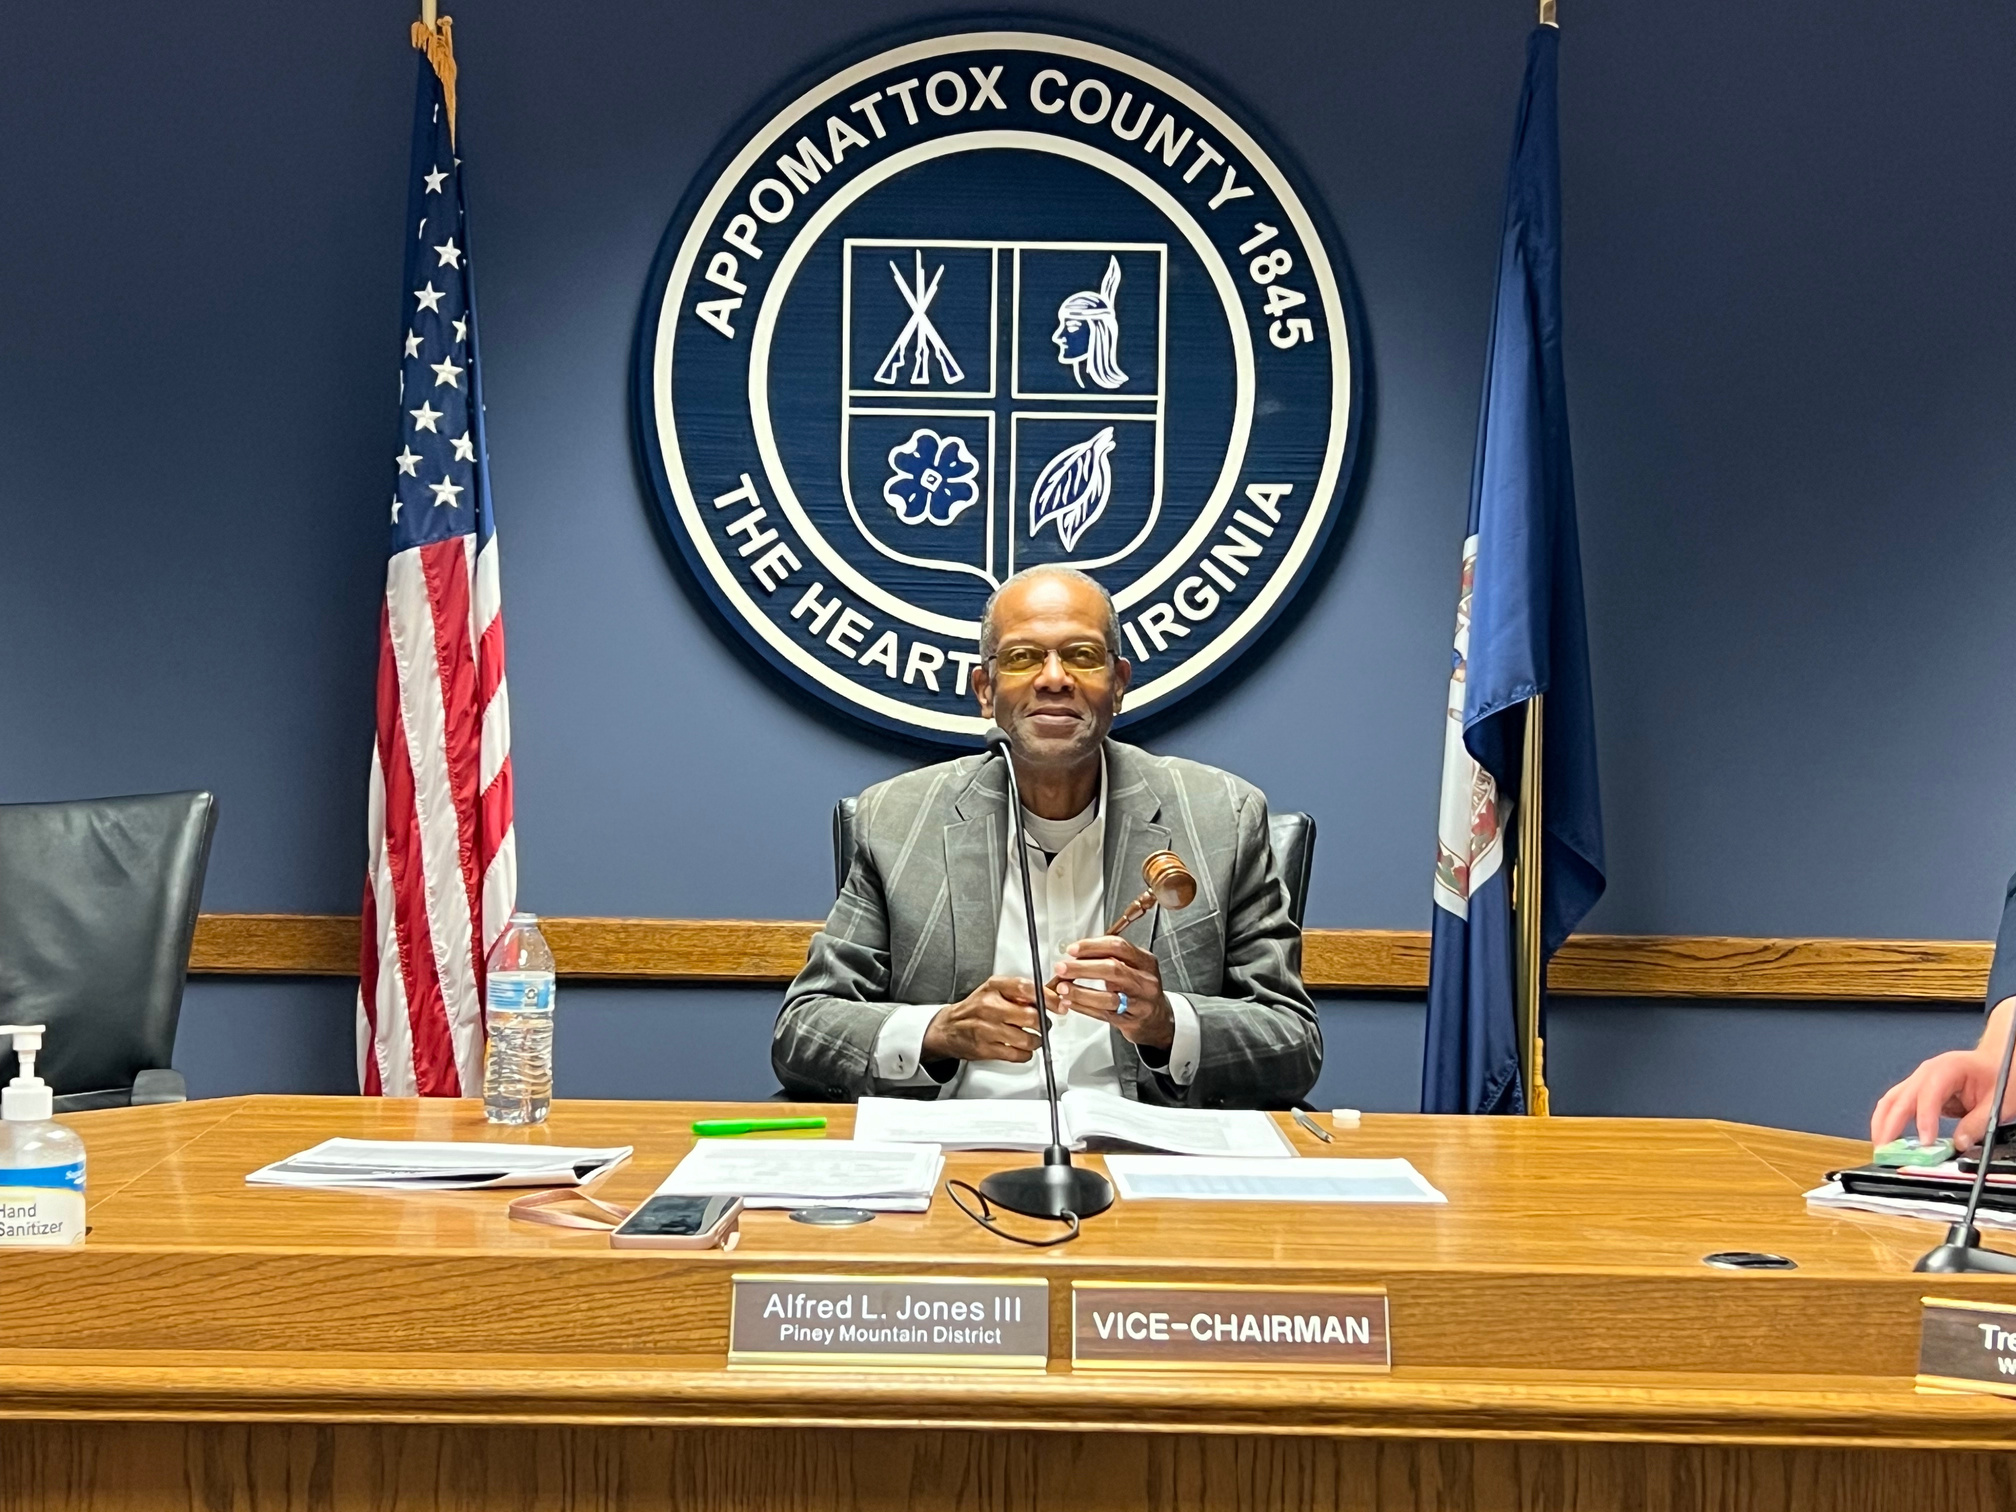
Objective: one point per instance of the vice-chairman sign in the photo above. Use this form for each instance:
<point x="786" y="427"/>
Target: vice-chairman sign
<point x="979" y="301"/>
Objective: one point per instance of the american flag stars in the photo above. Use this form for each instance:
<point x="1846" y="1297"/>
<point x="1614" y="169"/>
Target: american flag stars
<point x="437" y="440"/>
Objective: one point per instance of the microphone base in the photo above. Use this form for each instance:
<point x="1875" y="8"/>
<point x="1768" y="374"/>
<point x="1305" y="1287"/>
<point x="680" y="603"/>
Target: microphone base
<point x="1050" y="1190"/>
<point x="1963" y="1254"/>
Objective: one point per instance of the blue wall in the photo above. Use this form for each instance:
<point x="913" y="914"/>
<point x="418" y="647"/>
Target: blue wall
<point x="1792" y="360"/>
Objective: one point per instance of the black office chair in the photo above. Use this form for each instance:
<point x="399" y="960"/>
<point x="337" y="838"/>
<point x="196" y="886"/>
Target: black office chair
<point x="1293" y="837"/>
<point x="98" y="905"/>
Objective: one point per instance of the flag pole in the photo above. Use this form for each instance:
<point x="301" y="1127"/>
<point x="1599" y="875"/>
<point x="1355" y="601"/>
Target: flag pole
<point x="428" y="7"/>
<point x="1526" y="888"/>
<point x="1527" y="883"/>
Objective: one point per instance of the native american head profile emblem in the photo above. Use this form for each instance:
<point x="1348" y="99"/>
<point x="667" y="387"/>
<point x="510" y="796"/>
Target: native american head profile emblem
<point x="1088" y="331"/>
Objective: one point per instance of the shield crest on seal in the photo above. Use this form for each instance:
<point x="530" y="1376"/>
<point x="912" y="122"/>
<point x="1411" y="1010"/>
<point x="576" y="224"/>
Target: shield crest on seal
<point x="1001" y="401"/>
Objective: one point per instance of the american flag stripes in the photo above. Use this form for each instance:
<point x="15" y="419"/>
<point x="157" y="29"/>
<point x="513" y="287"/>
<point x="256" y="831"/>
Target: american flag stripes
<point x="441" y="878"/>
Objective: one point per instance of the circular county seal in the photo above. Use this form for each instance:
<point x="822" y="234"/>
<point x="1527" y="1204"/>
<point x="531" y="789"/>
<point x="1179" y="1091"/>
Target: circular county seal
<point x="980" y="300"/>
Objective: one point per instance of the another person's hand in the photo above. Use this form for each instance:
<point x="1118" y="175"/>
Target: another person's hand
<point x="1116" y="966"/>
<point x="996" y="1021"/>
<point x="1957" y="1084"/>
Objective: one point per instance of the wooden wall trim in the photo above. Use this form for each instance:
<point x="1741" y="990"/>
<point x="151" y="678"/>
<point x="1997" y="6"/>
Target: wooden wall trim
<point x="274" y="945"/>
<point x="754" y="951"/>
<point x="1711" y="966"/>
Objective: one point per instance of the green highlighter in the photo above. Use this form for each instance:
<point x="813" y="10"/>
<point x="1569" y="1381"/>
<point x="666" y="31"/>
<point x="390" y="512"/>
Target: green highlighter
<point x="717" y="1128"/>
<point x="1908" y="1152"/>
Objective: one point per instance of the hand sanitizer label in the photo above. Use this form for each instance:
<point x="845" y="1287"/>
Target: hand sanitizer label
<point x="42" y="1205"/>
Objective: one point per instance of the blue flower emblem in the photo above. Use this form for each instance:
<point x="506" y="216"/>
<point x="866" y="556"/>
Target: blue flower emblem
<point x="933" y="479"/>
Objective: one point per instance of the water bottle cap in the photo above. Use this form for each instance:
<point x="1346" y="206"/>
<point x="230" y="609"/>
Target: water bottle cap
<point x="524" y="918"/>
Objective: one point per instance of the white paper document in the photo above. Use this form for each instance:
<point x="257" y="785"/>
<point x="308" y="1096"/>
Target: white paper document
<point x="1302" y="1179"/>
<point x="404" y="1165"/>
<point x="1087" y="1118"/>
<point x="796" y="1173"/>
<point x="1933" y="1210"/>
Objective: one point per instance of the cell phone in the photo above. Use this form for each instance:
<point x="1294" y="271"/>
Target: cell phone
<point x="2002" y="1160"/>
<point x="672" y="1221"/>
<point x="2002" y="1163"/>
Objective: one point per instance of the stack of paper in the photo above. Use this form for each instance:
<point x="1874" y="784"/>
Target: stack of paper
<point x="1833" y="1195"/>
<point x="1087" y="1119"/>
<point x="402" y="1165"/>
<point x="798" y="1173"/>
<point x="1949" y="1181"/>
<point x="1298" y="1180"/>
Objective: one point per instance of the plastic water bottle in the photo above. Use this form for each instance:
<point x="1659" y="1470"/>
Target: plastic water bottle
<point x="41" y="1162"/>
<point x="518" y="1013"/>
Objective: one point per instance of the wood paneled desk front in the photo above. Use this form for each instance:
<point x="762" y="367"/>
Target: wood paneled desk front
<point x="1557" y="1342"/>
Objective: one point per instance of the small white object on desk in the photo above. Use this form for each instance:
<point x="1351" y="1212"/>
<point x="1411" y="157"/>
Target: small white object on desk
<point x="1311" y="1179"/>
<point x="1345" y="1118"/>
<point x="799" y="1173"/>
<point x="406" y="1165"/>
<point x="1087" y="1118"/>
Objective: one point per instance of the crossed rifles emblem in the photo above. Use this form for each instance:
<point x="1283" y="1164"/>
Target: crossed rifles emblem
<point x="919" y="333"/>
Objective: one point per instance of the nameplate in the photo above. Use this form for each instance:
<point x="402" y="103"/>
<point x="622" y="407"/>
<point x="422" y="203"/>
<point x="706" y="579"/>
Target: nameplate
<point x="891" y="1321"/>
<point x="1156" y="1326"/>
<point x="1967" y="1346"/>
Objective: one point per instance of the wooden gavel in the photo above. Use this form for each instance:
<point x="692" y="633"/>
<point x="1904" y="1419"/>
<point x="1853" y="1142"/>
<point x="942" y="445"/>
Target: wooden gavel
<point x="1170" y="886"/>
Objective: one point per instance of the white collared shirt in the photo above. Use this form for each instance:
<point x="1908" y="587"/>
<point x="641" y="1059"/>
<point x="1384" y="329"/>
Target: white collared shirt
<point x="1067" y="880"/>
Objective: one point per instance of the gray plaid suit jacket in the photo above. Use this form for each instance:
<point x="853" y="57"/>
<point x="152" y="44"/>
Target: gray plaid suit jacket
<point x="917" y="918"/>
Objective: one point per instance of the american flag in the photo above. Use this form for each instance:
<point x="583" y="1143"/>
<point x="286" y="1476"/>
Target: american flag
<point x="442" y="875"/>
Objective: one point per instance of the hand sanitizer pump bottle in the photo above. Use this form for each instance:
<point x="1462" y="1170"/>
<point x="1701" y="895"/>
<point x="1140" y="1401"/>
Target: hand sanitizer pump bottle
<point x="41" y="1162"/>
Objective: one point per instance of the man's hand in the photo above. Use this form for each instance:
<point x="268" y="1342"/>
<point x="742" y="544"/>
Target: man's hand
<point x="1957" y="1084"/>
<point x="996" y="1021"/>
<point x="1116" y="966"/>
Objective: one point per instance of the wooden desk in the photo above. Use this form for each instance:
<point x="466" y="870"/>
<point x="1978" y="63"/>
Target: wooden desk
<point x="1557" y="1343"/>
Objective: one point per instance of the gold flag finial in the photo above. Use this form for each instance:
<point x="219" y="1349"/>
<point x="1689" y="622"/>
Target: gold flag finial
<point x="1547" y="14"/>
<point x="438" y="42"/>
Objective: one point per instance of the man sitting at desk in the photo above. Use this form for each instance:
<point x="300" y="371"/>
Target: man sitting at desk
<point x="921" y="985"/>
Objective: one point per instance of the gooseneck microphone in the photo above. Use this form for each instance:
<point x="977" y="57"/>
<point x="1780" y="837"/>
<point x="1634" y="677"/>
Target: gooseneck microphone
<point x="1056" y="1189"/>
<point x="1963" y="1251"/>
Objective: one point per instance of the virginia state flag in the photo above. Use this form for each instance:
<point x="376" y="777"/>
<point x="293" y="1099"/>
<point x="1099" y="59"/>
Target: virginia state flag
<point x="1519" y="631"/>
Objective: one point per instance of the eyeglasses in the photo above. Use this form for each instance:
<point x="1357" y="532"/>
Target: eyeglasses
<point x="1026" y="661"/>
